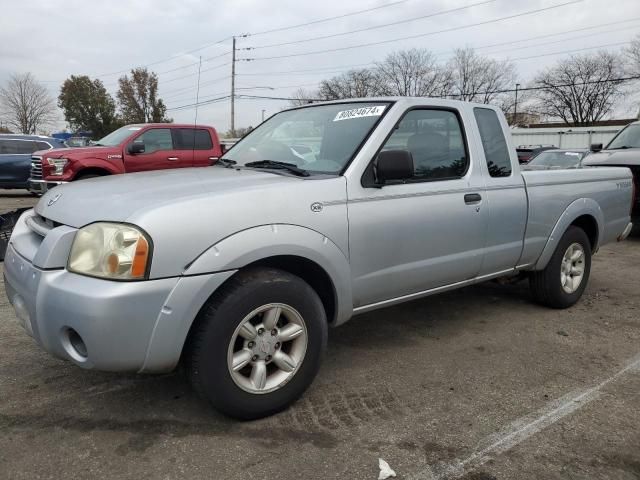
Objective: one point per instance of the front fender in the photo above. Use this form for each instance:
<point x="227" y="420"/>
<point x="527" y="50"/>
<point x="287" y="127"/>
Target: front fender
<point x="580" y="207"/>
<point x="113" y="168"/>
<point x="258" y="243"/>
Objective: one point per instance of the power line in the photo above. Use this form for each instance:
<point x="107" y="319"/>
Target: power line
<point x="327" y="19"/>
<point x="203" y="83"/>
<point x="508" y="90"/>
<point x="564" y="32"/>
<point x="322" y="37"/>
<point x="173" y="57"/>
<point x="196" y="73"/>
<point x="572" y="51"/>
<point x="305" y="72"/>
<point x="340" y="68"/>
<point x="560" y="41"/>
<point x="194" y="105"/>
<point x="381" y="42"/>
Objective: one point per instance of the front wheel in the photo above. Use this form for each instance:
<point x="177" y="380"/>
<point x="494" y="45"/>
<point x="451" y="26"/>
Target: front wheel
<point x="257" y="344"/>
<point x="562" y="282"/>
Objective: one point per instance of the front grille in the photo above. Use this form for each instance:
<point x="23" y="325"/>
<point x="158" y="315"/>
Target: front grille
<point x="36" y="167"/>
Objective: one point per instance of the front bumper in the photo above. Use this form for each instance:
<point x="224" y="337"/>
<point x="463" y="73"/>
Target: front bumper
<point x="106" y="325"/>
<point x="41" y="186"/>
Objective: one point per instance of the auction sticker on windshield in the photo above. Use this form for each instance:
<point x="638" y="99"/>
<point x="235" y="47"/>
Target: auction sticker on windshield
<point x="374" y="111"/>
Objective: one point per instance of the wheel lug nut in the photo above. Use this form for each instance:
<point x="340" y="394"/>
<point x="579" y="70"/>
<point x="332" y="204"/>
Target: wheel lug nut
<point x="268" y="358"/>
<point x="274" y="332"/>
<point x="251" y="344"/>
<point x="277" y="345"/>
<point x="254" y="358"/>
<point x="261" y="331"/>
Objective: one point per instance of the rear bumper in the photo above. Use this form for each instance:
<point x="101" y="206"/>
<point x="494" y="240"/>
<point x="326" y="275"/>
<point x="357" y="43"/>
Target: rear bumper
<point x="41" y="186"/>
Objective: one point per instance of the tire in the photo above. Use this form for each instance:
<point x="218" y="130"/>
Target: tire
<point x="547" y="285"/>
<point x="217" y="339"/>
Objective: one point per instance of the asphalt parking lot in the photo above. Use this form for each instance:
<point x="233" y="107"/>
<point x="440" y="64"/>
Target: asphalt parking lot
<point x="477" y="384"/>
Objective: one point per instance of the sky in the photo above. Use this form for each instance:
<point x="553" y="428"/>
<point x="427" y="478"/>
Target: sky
<point x="55" y="39"/>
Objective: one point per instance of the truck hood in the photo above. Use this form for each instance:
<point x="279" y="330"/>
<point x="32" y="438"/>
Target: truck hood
<point x="116" y="198"/>
<point x="82" y="152"/>
<point x="628" y="157"/>
<point x="187" y="211"/>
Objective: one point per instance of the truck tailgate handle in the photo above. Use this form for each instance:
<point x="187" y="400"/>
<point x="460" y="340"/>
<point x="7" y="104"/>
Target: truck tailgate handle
<point x="173" y="159"/>
<point x="471" y="198"/>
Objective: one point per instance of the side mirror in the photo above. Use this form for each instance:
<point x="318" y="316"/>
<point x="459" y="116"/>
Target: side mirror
<point x="596" y="147"/>
<point x="135" y="148"/>
<point x="394" y="165"/>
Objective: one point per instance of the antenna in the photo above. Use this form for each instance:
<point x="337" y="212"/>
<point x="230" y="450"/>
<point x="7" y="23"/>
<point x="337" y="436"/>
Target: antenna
<point x="195" y="120"/>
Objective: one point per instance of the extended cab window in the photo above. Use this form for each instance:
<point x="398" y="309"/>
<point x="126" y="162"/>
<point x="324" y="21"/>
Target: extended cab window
<point x="434" y="139"/>
<point x="184" y="139"/>
<point x="156" y="139"/>
<point x="494" y="144"/>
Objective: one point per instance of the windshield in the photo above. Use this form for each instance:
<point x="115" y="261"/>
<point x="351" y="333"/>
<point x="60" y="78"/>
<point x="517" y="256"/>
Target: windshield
<point x="118" y="136"/>
<point x="318" y="139"/>
<point x="629" y="137"/>
<point x="563" y="159"/>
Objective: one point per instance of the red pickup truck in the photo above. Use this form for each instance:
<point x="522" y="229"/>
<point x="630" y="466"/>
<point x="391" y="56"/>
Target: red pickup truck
<point x="132" y="148"/>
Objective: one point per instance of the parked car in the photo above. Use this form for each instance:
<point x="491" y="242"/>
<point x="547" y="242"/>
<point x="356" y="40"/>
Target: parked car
<point x="527" y="152"/>
<point x="133" y="148"/>
<point x="15" y="157"/>
<point x="238" y="270"/>
<point x="557" y="158"/>
<point x="76" y="142"/>
<point x="623" y="151"/>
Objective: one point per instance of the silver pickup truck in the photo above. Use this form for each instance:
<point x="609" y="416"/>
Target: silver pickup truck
<point x="323" y="212"/>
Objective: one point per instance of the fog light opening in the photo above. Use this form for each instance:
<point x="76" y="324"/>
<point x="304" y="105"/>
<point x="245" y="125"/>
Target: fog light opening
<point x="74" y="345"/>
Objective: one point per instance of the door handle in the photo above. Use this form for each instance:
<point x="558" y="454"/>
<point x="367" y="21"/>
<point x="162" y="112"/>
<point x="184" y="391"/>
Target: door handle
<point x="173" y="159"/>
<point x="471" y="198"/>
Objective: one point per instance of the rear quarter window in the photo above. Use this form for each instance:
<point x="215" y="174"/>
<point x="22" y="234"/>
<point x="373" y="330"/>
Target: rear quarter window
<point x="186" y="140"/>
<point x="496" y="151"/>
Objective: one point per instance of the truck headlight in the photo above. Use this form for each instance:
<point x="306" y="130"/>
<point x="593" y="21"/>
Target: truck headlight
<point x="58" y="165"/>
<point x="111" y="250"/>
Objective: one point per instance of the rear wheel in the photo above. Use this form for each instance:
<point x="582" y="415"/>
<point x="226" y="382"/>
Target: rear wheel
<point x="562" y="282"/>
<point x="258" y="343"/>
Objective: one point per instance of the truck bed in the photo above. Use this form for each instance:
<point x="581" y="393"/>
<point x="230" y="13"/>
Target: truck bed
<point x="605" y="192"/>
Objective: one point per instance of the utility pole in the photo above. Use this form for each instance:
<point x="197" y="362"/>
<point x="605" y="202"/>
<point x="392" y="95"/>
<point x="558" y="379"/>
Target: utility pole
<point x="515" y="107"/>
<point x="233" y="86"/>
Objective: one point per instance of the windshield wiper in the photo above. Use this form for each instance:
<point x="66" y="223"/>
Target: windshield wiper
<point x="226" y="162"/>
<point x="282" y="165"/>
<point x="623" y="147"/>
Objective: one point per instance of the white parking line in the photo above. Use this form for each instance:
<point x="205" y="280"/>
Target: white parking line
<point x="521" y="429"/>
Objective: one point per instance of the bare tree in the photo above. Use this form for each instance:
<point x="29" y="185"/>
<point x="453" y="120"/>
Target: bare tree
<point x="26" y="105"/>
<point x="632" y="54"/>
<point x="412" y="73"/>
<point x="480" y="79"/>
<point x="302" y="97"/>
<point x="581" y="89"/>
<point x="352" y="84"/>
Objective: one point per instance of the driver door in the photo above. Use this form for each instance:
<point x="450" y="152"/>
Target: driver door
<point x="159" y="152"/>
<point x="428" y="231"/>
